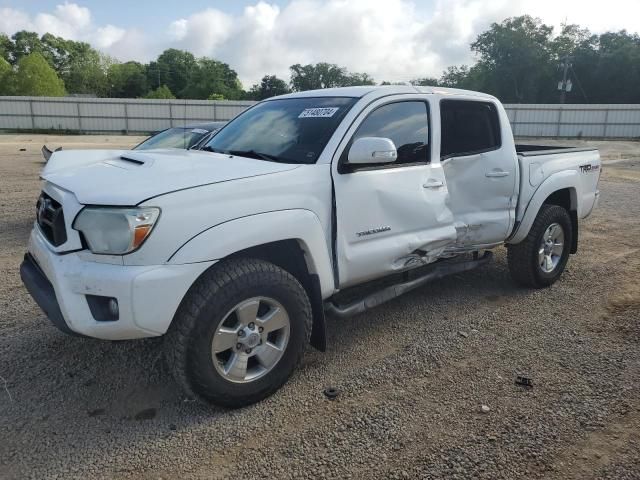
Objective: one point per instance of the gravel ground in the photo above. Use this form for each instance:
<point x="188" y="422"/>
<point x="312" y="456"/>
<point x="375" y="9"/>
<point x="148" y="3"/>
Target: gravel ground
<point x="413" y="374"/>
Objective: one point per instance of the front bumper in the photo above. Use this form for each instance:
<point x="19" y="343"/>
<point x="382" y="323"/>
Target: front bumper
<point x="42" y="292"/>
<point x="148" y="296"/>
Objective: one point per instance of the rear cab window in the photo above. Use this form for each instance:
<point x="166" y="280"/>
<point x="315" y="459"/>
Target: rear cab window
<point x="468" y="127"/>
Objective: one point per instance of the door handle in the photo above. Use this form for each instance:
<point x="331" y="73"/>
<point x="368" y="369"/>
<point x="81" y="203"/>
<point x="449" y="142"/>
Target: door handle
<point x="433" y="183"/>
<point x="498" y="173"/>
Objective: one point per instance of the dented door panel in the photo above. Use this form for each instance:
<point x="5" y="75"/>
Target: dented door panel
<point x="481" y="203"/>
<point x="483" y="188"/>
<point x="388" y="221"/>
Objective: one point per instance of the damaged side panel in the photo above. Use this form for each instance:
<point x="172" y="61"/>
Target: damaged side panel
<point x="483" y="195"/>
<point x="388" y="221"/>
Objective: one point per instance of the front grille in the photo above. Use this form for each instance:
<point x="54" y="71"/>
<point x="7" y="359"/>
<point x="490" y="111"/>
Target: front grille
<point x="51" y="220"/>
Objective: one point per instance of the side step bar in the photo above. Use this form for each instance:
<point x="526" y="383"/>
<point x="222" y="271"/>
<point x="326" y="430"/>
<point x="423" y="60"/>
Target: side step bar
<point x="372" y="300"/>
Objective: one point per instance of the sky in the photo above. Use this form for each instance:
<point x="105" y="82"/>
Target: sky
<point x="393" y="40"/>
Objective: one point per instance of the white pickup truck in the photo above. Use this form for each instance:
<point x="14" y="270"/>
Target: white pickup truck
<point x="323" y="201"/>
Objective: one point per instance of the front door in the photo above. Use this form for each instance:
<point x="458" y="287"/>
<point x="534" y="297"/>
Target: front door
<point x="391" y="217"/>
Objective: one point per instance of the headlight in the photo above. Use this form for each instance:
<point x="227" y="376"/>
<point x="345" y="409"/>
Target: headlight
<point x="115" y="231"/>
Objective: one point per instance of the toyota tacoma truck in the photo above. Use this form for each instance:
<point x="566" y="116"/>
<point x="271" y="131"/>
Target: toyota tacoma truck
<point x="321" y="202"/>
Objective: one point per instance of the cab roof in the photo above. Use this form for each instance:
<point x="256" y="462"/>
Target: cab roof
<point x="381" y="91"/>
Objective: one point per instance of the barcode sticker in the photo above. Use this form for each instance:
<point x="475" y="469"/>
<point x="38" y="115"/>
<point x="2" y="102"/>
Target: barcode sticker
<point x="320" y="112"/>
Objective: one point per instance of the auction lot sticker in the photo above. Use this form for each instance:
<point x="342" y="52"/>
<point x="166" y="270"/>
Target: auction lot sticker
<point x="318" y="112"/>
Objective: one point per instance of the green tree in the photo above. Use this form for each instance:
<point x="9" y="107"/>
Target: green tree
<point x="173" y="68"/>
<point x="356" y="79"/>
<point x="313" y="77"/>
<point x="83" y="70"/>
<point x="571" y="38"/>
<point x="6" y="79"/>
<point x="6" y="46"/>
<point x="25" y="43"/>
<point x="615" y="75"/>
<point x="325" y="75"/>
<point x="425" y="82"/>
<point x="80" y="66"/>
<point x="269" y="86"/>
<point x="162" y="92"/>
<point x="35" y="76"/>
<point x="470" y="78"/>
<point x="455" y="77"/>
<point x="213" y="77"/>
<point x="127" y="80"/>
<point x="516" y="59"/>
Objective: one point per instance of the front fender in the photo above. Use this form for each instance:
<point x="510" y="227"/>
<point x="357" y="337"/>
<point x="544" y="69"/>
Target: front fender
<point x="222" y="240"/>
<point x="557" y="181"/>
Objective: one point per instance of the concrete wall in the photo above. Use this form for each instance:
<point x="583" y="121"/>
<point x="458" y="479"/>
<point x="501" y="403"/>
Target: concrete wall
<point x="93" y="115"/>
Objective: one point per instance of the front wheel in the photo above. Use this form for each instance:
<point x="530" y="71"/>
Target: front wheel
<point x="539" y="260"/>
<point x="239" y="333"/>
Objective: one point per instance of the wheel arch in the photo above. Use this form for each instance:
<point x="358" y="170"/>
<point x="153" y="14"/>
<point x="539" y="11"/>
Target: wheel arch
<point x="290" y="255"/>
<point x="291" y="239"/>
<point x="559" y="189"/>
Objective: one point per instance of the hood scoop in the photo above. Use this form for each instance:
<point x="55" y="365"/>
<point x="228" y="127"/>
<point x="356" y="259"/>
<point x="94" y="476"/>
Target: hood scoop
<point x="130" y="160"/>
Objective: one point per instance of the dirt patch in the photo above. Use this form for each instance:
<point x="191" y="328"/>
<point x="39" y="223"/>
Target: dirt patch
<point x="411" y="386"/>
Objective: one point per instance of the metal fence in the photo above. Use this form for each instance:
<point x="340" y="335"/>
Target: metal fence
<point x="110" y="115"/>
<point x="115" y="115"/>
<point x="590" y="121"/>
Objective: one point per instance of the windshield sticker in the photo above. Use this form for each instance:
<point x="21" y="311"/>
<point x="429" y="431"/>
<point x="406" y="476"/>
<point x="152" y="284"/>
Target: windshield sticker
<point x="199" y="130"/>
<point x="318" y="112"/>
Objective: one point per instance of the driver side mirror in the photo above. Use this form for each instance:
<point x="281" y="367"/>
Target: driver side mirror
<point x="372" y="150"/>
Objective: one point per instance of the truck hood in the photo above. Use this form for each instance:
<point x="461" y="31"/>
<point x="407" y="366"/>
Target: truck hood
<point x="125" y="177"/>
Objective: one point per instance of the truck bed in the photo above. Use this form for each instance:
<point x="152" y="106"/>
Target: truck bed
<point x="538" y="163"/>
<point x="533" y="150"/>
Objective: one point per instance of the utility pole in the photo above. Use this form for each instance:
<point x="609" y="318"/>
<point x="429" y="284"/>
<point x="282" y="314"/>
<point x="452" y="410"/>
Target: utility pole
<point x="565" y="85"/>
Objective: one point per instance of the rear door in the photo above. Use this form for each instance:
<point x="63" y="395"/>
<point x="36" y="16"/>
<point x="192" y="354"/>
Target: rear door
<point x="480" y="167"/>
<point x="390" y="217"/>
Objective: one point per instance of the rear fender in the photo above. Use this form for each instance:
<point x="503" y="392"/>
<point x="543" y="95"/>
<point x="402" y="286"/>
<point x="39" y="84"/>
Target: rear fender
<point x="557" y="181"/>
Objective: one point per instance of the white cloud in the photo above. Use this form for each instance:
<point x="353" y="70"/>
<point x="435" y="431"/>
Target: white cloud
<point x="12" y="20"/>
<point x="203" y="32"/>
<point x="74" y="22"/>
<point x="389" y="39"/>
<point x="68" y="20"/>
<point x="107" y="36"/>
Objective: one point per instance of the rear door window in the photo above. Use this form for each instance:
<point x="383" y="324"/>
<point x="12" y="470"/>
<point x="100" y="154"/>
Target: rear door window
<point x="468" y="127"/>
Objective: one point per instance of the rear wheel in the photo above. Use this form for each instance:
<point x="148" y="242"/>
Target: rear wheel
<point x="539" y="260"/>
<point x="239" y="333"/>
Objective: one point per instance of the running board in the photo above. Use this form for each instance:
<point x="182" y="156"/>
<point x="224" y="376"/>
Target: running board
<point x="372" y="300"/>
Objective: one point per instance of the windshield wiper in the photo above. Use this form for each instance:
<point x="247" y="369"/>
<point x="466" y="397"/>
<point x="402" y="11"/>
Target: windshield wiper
<point x="258" y="155"/>
<point x="211" y="149"/>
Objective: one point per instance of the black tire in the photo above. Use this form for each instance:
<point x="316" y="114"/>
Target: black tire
<point x="523" y="261"/>
<point x="189" y="339"/>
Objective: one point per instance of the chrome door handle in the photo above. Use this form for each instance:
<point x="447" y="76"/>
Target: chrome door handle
<point x="499" y="173"/>
<point x="433" y="184"/>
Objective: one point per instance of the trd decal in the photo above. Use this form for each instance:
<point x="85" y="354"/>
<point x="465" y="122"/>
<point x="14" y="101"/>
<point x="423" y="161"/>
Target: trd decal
<point x="589" y="168"/>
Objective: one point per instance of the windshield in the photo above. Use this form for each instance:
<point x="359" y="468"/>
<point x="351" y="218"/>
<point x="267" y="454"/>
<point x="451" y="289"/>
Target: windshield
<point x="291" y="130"/>
<point x="177" y="137"/>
